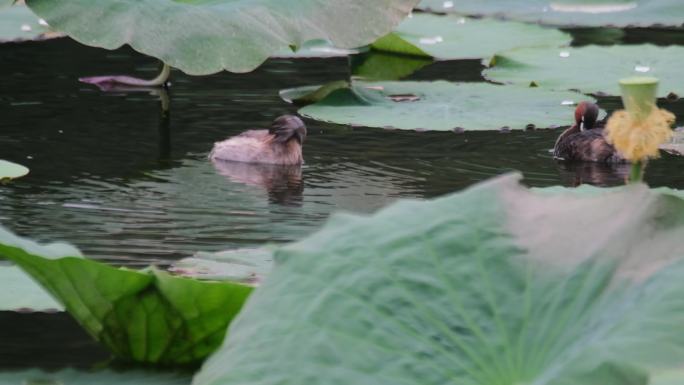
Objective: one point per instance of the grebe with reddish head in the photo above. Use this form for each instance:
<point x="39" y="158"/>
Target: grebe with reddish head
<point x="584" y="140"/>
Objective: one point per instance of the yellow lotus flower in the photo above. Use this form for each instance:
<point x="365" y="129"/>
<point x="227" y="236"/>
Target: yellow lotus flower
<point x="639" y="139"/>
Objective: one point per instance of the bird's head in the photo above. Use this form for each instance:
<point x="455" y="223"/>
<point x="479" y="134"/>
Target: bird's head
<point x="586" y="115"/>
<point x="288" y="127"/>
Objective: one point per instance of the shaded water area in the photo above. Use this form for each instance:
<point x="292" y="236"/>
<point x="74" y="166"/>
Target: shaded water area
<point x="109" y="175"/>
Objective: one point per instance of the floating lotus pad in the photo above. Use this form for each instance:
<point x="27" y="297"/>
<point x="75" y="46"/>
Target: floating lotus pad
<point x="311" y="94"/>
<point x="315" y="49"/>
<point x="18" y="23"/>
<point x="220" y="34"/>
<point x="445" y="106"/>
<point x="248" y="266"/>
<point x="454" y="37"/>
<point x="10" y="170"/>
<point x="585" y="13"/>
<point x="494" y="285"/>
<point x="590" y="69"/>
<point x="144" y="316"/>
<point x="377" y="65"/>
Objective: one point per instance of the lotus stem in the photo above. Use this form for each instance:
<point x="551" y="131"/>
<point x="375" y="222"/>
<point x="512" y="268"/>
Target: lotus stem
<point x="636" y="173"/>
<point x="638" y="131"/>
<point x="110" y="81"/>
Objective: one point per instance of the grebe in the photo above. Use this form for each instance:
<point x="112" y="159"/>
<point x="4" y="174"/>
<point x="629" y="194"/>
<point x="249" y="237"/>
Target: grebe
<point x="584" y="141"/>
<point x="281" y="144"/>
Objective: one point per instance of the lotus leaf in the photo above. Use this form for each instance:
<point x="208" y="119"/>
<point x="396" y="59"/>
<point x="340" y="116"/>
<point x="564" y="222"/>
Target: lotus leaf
<point x="453" y="37"/>
<point x="590" y="69"/>
<point x="20" y="293"/>
<point x="497" y="284"/>
<point x="103" y="377"/>
<point x="377" y="65"/>
<point x="315" y="49"/>
<point x="587" y="13"/>
<point x="9" y="170"/>
<point x="144" y="316"/>
<point x="311" y="94"/>
<point x="249" y="266"/>
<point x="444" y="106"/>
<point x="220" y="34"/>
<point x="18" y="23"/>
<point x="676" y="145"/>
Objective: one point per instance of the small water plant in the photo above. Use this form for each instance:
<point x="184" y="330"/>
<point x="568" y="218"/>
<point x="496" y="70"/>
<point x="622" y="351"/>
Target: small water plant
<point x="639" y="130"/>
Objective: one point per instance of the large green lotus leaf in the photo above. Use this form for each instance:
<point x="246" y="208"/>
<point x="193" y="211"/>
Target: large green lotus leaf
<point x="454" y="37"/>
<point x="18" y="23"/>
<point x="102" y="377"/>
<point x="10" y="170"/>
<point x="207" y="36"/>
<point x="591" y="69"/>
<point x="444" y="106"/>
<point x="21" y="293"/>
<point x="588" y="13"/>
<point x="673" y="377"/>
<point x="144" y="316"/>
<point x="497" y="284"/>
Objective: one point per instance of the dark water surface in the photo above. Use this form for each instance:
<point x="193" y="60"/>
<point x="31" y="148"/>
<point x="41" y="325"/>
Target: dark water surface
<point x="108" y="175"/>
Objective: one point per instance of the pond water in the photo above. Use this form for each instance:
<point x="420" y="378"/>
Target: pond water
<point x="109" y="175"/>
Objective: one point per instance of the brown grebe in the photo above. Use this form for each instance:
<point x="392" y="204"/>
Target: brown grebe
<point x="281" y="144"/>
<point x="584" y="140"/>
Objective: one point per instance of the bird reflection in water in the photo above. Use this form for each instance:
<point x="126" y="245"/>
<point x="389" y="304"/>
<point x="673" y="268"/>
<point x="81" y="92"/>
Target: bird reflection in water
<point x="283" y="183"/>
<point x="593" y="173"/>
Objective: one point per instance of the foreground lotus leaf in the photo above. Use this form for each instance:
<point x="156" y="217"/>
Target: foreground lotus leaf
<point x="220" y="34"/>
<point x="18" y="23"/>
<point x="444" y="106"/>
<point x="497" y="284"/>
<point x="20" y="293"/>
<point x="585" y="13"/>
<point x="143" y="316"/>
<point x="452" y="37"/>
<point x="10" y="170"/>
<point x="590" y="69"/>
<point x="102" y="377"/>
